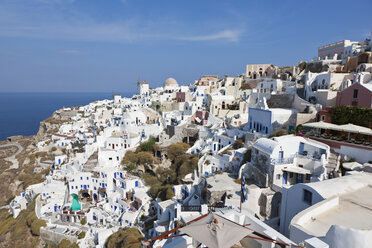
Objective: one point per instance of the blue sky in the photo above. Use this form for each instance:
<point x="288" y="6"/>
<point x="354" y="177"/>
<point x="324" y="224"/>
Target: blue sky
<point x="103" y="45"/>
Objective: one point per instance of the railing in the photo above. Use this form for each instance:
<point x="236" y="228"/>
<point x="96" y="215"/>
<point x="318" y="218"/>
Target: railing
<point x="297" y="155"/>
<point x="190" y="208"/>
<point x="309" y="156"/>
<point x="198" y="208"/>
<point x="282" y="161"/>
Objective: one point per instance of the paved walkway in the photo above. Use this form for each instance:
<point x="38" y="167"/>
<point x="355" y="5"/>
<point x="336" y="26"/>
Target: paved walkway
<point x="12" y="159"/>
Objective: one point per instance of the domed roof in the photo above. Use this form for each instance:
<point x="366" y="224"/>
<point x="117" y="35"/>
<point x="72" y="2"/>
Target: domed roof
<point x="171" y="82"/>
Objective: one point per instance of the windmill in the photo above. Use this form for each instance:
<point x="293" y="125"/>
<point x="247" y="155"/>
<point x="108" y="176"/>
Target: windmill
<point x="138" y="83"/>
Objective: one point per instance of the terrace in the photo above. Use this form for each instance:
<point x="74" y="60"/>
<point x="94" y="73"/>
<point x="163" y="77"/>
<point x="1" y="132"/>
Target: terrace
<point x="349" y="134"/>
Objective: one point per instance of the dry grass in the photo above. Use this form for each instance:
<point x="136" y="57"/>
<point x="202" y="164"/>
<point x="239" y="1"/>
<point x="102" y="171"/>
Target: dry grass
<point x="17" y="232"/>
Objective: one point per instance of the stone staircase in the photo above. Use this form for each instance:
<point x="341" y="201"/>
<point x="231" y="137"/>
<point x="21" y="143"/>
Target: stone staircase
<point x="332" y="162"/>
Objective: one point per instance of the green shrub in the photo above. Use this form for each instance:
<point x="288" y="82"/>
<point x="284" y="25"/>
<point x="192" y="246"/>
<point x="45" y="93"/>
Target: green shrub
<point x="147" y="146"/>
<point x="298" y="128"/>
<point x="83" y="221"/>
<point x="81" y="235"/>
<point x="351" y="114"/>
<point x="277" y="133"/>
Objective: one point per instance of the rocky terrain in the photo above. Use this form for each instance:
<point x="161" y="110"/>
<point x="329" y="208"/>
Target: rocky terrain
<point x="22" y="164"/>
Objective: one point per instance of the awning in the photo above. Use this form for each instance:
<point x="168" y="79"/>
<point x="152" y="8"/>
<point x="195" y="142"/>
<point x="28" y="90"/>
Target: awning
<point x="296" y="169"/>
<point x="351" y="128"/>
<point x="320" y="124"/>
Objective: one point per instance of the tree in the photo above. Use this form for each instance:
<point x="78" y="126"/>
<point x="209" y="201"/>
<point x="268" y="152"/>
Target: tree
<point x="65" y="243"/>
<point x="147" y="146"/>
<point x="176" y="150"/>
<point x="351" y="114"/>
<point x="130" y="167"/>
<point x="169" y="193"/>
<point x="124" y="237"/>
<point x="130" y="157"/>
<point x="144" y="158"/>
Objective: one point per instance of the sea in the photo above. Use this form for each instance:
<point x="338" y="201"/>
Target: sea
<point x="21" y="113"/>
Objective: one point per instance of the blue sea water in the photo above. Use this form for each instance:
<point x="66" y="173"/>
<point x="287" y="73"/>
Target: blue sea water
<point x="21" y="113"/>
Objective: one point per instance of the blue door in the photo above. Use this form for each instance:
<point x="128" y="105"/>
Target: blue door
<point x="136" y="184"/>
<point x="300" y="178"/>
<point x="59" y="161"/>
<point x="301" y="150"/>
<point x="285" y="178"/>
<point x="85" y="187"/>
<point x="55" y="208"/>
<point x="281" y="156"/>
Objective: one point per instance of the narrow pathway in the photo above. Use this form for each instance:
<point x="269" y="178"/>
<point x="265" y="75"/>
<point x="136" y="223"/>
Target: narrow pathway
<point x="12" y="159"/>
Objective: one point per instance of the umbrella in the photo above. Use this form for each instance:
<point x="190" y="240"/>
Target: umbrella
<point x="355" y="129"/>
<point x="321" y="125"/>
<point x="215" y="231"/>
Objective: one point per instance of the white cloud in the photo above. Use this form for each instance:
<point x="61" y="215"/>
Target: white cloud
<point x="50" y="22"/>
<point x="229" y="35"/>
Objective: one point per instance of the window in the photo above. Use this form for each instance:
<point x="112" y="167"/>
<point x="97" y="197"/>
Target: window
<point x="307" y="196"/>
<point x="322" y="117"/>
<point x="308" y="176"/>
<point x="278" y="176"/>
<point x="290" y="174"/>
<point x="355" y="95"/>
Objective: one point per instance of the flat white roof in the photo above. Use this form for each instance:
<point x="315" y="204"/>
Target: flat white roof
<point x="354" y="210"/>
<point x="266" y="145"/>
<point x="341" y="185"/>
<point x="222" y="182"/>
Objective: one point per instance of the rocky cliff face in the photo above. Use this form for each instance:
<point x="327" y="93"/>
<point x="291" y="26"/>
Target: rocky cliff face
<point x="52" y="124"/>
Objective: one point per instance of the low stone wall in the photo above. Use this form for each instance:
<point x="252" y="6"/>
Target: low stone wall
<point x="54" y="238"/>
